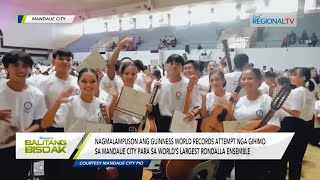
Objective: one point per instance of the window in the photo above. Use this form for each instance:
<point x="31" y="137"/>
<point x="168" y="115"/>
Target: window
<point x="160" y="19"/>
<point x="94" y="25"/>
<point x="127" y="23"/>
<point x="113" y="25"/>
<point x="142" y="21"/>
<point x="179" y="16"/>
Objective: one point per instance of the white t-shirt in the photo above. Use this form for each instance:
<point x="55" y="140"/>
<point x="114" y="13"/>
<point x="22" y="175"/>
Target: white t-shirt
<point x="171" y="96"/>
<point x="116" y="82"/>
<point x="204" y="82"/>
<point x="140" y="81"/>
<point x="232" y="81"/>
<point x="3" y="73"/>
<point x="212" y="100"/>
<point x="264" y="88"/>
<point x="74" y="114"/>
<point x="3" y="80"/>
<point x="246" y="110"/>
<point x="36" y="79"/>
<point x="25" y="107"/>
<point x="119" y="117"/>
<point x="52" y="87"/>
<point x="301" y="99"/>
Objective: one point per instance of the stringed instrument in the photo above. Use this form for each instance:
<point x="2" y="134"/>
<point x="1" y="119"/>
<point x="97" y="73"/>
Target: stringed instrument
<point x="220" y="113"/>
<point x="148" y="124"/>
<point x="205" y="171"/>
<point x="179" y="169"/>
<point x="276" y="104"/>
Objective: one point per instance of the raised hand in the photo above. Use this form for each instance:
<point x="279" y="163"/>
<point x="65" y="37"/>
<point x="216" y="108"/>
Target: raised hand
<point x="148" y="78"/>
<point x="5" y="114"/>
<point x="111" y="90"/>
<point x="100" y="74"/>
<point x="126" y="41"/>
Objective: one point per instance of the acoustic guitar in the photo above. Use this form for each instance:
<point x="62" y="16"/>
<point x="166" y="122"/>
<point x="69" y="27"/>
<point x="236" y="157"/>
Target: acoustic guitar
<point x="180" y="169"/>
<point x="220" y="113"/>
<point x="148" y="123"/>
<point x="276" y="104"/>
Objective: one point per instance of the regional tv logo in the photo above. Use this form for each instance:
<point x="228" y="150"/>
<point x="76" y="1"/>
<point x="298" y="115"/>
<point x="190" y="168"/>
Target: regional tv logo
<point x="273" y="20"/>
<point x="45" y="145"/>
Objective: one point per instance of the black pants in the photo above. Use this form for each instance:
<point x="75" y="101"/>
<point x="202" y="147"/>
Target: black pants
<point x="224" y="169"/>
<point x="128" y="173"/>
<point x="297" y="147"/>
<point x="54" y="168"/>
<point x="257" y="170"/>
<point x="163" y="123"/>
<point x="12" y="168"/>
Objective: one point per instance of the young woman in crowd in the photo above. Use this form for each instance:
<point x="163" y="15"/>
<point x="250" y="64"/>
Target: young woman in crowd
<point x="300" y="109"/>
<point x="126" y="123"/>
<point x="255" y="106"/>
<point x="75" y="111"/>
<point x="217" y="96"/>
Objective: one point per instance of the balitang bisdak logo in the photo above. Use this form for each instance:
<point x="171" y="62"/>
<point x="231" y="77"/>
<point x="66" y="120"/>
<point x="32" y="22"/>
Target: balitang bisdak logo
<point x="273" y="20"/>
<point x="45" y="145"/>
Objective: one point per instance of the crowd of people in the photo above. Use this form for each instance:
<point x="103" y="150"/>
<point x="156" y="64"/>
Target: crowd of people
<point x="168" y="41"/>
<point x="53" y="110"/>
<point x="292" y="38"/>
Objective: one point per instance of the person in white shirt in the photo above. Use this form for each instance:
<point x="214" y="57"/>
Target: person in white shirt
<point x="140" y="78"/>
<point x="73" y="112"/>
<point x="192" y="68"/>
<point x="125" y="123"/>
<point x="204" y="81"/>
<point x="268" y="85"/>
<point x="217" y="96"/>
<point x="241" y="62"/>
<point x="52" y="86"/>
<point x="315" y="136"/>
<point x="209" y="101"/>
<point x="112" y="78"/>
<point x="255" y="106"/>
<point x="300" y="109"/>
<point x="172" y="94"/>
<point x="22" y="107"/>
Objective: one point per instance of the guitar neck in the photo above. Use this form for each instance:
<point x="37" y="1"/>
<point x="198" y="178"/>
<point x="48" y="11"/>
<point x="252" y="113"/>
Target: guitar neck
<point x="237" y="90"/>
<point x="266" y="118"/>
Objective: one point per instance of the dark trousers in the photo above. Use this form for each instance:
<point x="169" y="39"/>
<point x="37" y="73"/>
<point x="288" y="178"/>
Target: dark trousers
<point x="257" y="170"/>
<point x="54" y="168"/>
<point x="224" y="169"/>
<point x="297" y="147"/>
<point x="12" y="168"/>
<point x="314" y="138"/>
<point x="128" y="173"/>
<point x="163" y="123"/>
